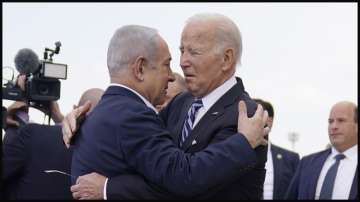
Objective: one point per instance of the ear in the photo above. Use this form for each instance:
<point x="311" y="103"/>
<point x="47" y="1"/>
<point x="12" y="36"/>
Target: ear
<point x="138" y="68"/>
<point x="228" y="59"/>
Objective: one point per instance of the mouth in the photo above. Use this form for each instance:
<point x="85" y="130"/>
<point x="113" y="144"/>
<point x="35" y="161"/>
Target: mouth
<point x="188" y="76"/>
<point x="335" y="134"/>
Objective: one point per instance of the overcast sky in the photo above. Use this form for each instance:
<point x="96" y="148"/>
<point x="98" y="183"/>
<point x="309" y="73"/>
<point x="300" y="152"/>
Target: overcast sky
<point x="302" y="57"/>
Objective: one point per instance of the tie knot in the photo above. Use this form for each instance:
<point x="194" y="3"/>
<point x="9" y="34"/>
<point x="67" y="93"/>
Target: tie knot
<point x="339" y="157"/>
<point x="197" y="104"/>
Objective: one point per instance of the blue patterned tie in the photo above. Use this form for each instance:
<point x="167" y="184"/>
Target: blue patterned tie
<point x="328" y="185"/>
<point x="189" y="120"/>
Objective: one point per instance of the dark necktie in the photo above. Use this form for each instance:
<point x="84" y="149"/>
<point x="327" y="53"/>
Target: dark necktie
<point x="328" y="185"/>
<point x="189" y="120"/>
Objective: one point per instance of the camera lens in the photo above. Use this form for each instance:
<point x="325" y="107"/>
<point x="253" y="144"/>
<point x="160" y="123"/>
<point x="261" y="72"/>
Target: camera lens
<point x="43" y="89"/>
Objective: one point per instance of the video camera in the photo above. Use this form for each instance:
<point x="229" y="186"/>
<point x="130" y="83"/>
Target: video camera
<point x="42" y="83"/>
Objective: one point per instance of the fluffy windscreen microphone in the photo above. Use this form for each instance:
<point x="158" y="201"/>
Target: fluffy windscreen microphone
<point x="26" y="61"/>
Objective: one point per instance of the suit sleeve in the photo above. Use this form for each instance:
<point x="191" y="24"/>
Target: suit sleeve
<point x="134" y="187"/>
<point x="256" y="170"/>
<point x="148" y="148"/>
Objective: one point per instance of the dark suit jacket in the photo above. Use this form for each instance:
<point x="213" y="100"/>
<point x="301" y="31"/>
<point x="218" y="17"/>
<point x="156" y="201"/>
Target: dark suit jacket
<point x="123" y="136"/>
<point x="285" y="163"/>
<point x="217" y="125"/>
<point x="29" y="151"/>
<point x="304" y="182"/>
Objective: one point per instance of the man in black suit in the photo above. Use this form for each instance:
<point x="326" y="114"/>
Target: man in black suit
<point x="31" y="150"/>
<point x="210" y="49"/>
<point x="281" y="163"/>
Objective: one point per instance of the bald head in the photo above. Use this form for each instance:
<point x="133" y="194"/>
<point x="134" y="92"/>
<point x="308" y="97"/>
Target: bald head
<point x="343" y="129"/>
<point x="93" y="95"/>
<point x="349" y="107"/>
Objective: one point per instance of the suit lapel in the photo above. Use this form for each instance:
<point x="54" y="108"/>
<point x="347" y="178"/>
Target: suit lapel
<point x="354" y="186"/>
<point x="211" y="115"/>
<point x="216" y="111"/>
<point x="276" y="168"/>
<point x="315" y="173"/>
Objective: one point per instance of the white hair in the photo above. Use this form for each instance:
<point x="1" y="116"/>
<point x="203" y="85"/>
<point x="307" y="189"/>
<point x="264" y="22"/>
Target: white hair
<point x="227" y="32"/>
<point x="128" y="43"/>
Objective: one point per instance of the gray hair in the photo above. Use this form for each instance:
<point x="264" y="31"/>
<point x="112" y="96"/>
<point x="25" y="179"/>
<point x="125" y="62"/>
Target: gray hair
<point x="227" y="32"/>
<point x="128" y="43"/>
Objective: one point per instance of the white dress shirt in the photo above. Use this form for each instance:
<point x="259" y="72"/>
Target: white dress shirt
<point x="269" y="177"/>
<point x="147" y="103"/>
<point x="345" y="173"/>
<point x="210" y="99"/>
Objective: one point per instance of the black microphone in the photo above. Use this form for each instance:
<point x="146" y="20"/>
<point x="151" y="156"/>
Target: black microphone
<point x="26" y="61"/>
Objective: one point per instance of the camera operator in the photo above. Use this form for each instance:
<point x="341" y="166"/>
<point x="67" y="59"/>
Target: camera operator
<point x="29" y="149"/>
<point x="17" y="114"/>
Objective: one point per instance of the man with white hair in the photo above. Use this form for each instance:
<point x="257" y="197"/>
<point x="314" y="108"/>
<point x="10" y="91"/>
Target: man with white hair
<point x="125" y="136"/>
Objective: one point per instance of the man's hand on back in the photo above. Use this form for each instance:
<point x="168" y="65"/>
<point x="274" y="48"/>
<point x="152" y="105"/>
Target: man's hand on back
<point x="253" y="128"/>
<point x="69" y="123"/>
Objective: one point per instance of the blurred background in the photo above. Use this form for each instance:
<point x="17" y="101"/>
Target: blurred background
<point x="302" y="57"/>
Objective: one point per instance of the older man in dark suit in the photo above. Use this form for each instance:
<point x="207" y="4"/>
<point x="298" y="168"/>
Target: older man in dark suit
<point x="33" y="149"/>
<point x="206" y="115"/>
<point x="124" y="135"/>
<point x="281" y="163"/>
<point x="332" y="173"/>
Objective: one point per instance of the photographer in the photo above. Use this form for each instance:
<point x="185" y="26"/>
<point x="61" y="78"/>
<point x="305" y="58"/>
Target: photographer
<point x="17" y="114"/>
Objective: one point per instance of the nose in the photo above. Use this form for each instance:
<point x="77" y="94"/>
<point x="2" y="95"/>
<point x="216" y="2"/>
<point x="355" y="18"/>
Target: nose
<point x="184" y="60"/>
<point x="333" y="126"/>
<point x="171" y="76"/>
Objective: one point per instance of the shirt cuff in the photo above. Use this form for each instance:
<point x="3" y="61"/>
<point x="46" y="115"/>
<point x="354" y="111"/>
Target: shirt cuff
<point x="105" y="197"/>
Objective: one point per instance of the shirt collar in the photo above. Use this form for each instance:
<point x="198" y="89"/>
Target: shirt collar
<point x="350" y="153"/>
<point x="269" y="146"/>
<point x="147" y="103"/>
<point x="214" y="95"/>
